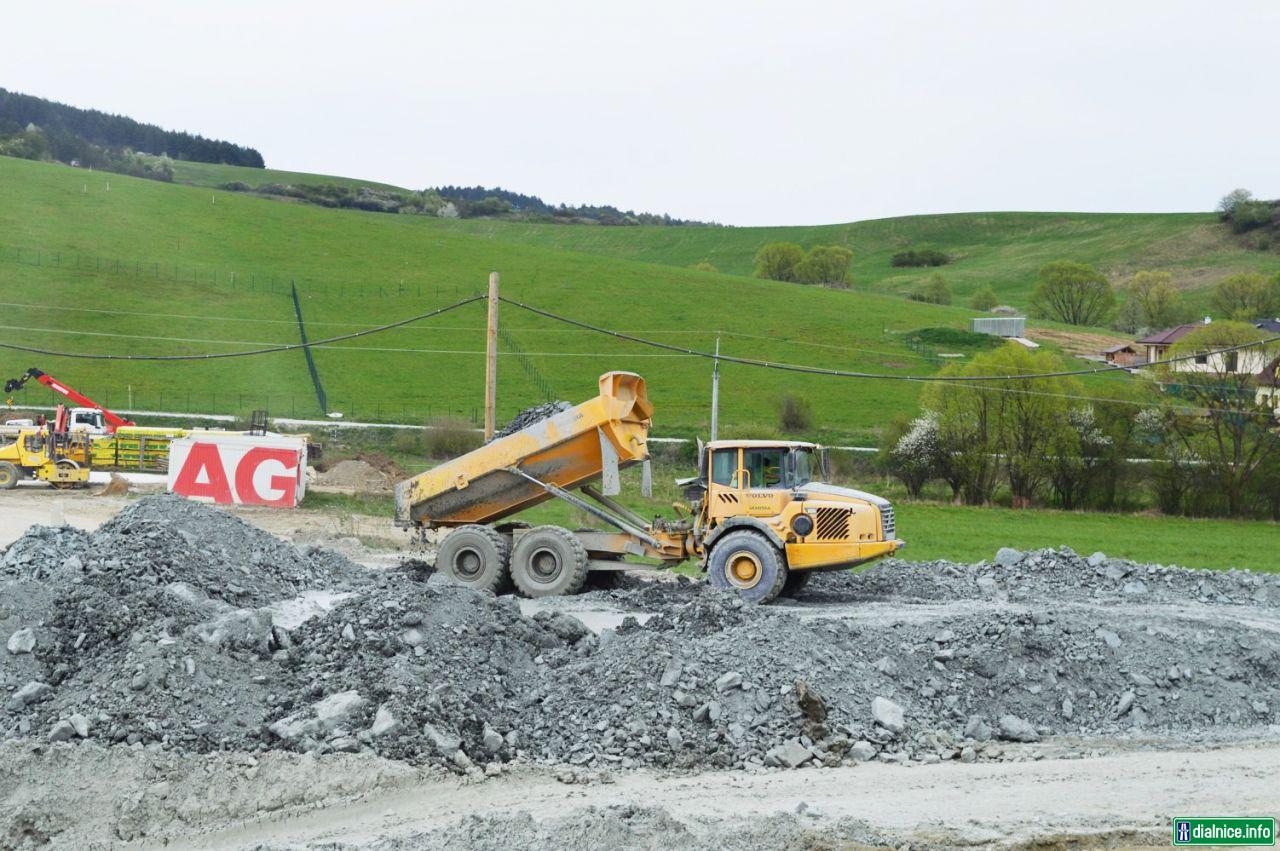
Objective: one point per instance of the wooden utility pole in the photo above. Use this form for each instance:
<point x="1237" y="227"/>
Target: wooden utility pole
<point x="715" y="392"/>
<point x="491" y="362"/>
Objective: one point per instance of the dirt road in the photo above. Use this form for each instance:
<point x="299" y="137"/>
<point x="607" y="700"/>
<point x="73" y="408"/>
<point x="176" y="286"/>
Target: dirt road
<point x="1127" y="797"/>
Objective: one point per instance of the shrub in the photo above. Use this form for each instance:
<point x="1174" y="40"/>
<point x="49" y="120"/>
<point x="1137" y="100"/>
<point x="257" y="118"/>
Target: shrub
<point x="449" y="437"/>
<point x="408" y="442"/>
<point x="793" y="414"/>
<point x="1250" y="215"/>
<point x="953" y="338"/>
<point x="786" y="261"/>
<point x="984" y="299"/>
<point x="1075" y="293"/>
<point x="933" y="291"/>
<point x="920" y="257"/>
<point x="916" y="456"/>
<point x="704" y="266"/>
<point x="777" y="261"/>
<point x="1150" y="302"/>
<point x="1247" y="296"/>
<point x="826" y="264"/>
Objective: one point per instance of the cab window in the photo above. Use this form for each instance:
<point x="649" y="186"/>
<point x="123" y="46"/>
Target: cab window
<point x="764" y="466"/>
<point x="724" y="464"/>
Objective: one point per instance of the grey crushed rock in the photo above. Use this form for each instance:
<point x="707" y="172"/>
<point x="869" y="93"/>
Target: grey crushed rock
<point x="529" y="416"/>
<point x="156" y="630"/>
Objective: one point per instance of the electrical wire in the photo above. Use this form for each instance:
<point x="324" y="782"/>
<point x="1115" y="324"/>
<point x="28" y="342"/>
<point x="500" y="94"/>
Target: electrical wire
<point x="329" y="348"/>
<point x="841" y="373"/>
<point x="263" y="351"/>
<point x="293" y="322"/>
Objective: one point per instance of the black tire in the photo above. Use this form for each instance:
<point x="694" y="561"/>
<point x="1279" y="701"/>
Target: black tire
<point x="477" y="557"/>
<point x="9" y="476"/>
<point x="736" y="553"/>
<point x="548" y="561"/>
<point x="796" y="580"/>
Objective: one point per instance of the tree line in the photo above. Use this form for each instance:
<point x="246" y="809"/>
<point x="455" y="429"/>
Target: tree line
<point x="1206" y="444"/>
<point x="1078" y="294"/>
<point x="96" y="139"/>
<point x="478" y="201"/>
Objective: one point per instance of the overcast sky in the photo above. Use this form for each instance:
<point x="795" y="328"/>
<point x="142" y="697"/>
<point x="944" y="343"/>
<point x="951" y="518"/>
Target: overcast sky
<point x="738" y="112"/>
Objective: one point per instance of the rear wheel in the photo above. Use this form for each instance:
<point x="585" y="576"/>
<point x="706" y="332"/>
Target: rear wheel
<point x="8" y="476"/>
<point x="477" y="557"/>
<point x="796" y="580"/>
<point x="745" y="562"/>
<point x="548" y="561"/>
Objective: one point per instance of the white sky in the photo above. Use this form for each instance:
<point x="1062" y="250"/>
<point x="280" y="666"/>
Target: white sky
<point x="740" y="112"/>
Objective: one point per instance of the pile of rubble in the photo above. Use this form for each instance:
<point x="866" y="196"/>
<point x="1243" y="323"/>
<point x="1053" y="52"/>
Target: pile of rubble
<point x="529" y="416"/>
<point x="177" y="626"/>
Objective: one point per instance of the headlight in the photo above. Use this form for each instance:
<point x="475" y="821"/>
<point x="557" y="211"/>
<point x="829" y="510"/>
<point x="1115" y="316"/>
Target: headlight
<point x="802" y="524"/>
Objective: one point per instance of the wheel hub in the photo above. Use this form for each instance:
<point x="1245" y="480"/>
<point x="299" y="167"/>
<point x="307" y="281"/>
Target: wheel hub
<point x="468" y="563"/>
<point x="744" y="570"/>
<point x="545" y="564"/>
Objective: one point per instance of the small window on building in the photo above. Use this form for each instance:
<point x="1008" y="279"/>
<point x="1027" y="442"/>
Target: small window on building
<point x="1202" y="359"/>
<point x="1233" y="360"/>
<point x="724" y="464"/>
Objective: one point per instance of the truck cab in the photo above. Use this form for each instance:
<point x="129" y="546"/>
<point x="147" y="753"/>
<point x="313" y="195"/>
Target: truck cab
<point x="88" y="420"/>
<point x="767" y="520"/>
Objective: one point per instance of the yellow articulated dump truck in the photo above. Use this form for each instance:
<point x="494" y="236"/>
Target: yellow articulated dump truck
<point x="759" y="517"/>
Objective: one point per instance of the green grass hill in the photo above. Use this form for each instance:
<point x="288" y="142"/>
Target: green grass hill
<point x="100" y="262"/>
<point x="91" y="261"/>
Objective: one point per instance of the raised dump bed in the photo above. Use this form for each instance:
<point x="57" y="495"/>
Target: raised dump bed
<point x="587" y="442"/>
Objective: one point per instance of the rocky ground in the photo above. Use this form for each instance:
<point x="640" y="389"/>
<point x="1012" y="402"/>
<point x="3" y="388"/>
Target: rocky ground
<point x="176" y="630"/>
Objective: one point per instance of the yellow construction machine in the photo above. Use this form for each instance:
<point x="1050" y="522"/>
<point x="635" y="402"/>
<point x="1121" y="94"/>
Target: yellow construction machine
<point x="50" y="452"/>
<point x="759" y="517"/>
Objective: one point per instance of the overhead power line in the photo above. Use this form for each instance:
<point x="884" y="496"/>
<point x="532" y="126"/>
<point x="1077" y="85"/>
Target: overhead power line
<point x="669" y="347"/>
<point x="880" y="376"/>
<point x="263" y="351"/>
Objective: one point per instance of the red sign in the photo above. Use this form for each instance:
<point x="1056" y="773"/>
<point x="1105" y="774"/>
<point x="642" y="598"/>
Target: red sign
<point x="236" y="472"/>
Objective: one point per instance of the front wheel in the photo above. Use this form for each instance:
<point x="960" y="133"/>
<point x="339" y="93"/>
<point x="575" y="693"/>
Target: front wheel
<point x="8" y="476"/>
<point x="745" y="562"/>
<point x="796" y="580"/>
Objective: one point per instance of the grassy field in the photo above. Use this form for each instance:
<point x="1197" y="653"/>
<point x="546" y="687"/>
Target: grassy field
<point x="210" y="175"/>
<point x="1003" y="250"/>
<point x="99" y="262"/>
<point x="1000" y="249"/>
<point x="961" y="533"/>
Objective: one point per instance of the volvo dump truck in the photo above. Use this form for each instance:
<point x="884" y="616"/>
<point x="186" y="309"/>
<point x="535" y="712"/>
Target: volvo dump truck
<point x="759" y="518"/>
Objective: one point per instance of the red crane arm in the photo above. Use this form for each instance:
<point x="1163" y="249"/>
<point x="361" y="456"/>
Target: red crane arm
<point x="114" y="420"/>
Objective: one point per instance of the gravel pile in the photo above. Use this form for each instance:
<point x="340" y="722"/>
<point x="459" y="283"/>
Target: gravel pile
<point x="177" y="626"/>
<point x="529" y="416"/>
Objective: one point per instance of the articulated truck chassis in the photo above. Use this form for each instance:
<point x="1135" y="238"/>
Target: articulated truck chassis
<point x="758" y="517"/>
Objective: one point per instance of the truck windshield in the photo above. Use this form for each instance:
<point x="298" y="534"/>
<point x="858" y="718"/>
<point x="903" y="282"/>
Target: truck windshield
<point x="778" y="466"/>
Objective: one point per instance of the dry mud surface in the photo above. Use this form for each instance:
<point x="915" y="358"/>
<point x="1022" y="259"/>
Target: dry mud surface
<point x="177" y="671"/>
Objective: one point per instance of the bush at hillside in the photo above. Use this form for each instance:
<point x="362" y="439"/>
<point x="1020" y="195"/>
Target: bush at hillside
<point x="984" y="299"/>
<point x="932" y="291"/>
<point x="786" y="261"/>
<point x="1150" y="303"/>
<point x="920" y="257"/>
<point x="1074" y="293"/>
<point x="1247" y="296"/>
